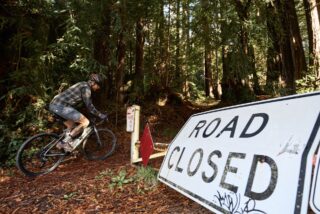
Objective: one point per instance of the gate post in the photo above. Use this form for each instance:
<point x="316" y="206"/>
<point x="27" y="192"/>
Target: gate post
<point x="133" y="126"/>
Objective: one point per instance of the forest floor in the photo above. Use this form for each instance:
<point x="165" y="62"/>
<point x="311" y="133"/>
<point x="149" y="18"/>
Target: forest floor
<point x="110" y="186"/>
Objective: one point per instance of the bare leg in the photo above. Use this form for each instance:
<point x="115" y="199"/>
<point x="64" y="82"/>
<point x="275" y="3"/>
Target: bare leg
<point x="83" y="123"/>
<point x="69" y="124"/>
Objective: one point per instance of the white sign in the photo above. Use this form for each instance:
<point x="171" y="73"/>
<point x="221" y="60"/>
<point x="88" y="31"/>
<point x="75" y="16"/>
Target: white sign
<point x="130" y="119"/>
<point x="251" y="158"/>
<point x="315" y="192"/>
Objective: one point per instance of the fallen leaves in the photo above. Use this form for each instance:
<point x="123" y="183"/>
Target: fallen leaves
<point x="82" y="186"/>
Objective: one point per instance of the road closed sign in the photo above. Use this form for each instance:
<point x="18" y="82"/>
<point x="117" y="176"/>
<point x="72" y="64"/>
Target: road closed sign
<point x="251" y="158"/>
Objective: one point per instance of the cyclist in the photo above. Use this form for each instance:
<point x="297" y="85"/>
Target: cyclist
<point x="64" y="104"/>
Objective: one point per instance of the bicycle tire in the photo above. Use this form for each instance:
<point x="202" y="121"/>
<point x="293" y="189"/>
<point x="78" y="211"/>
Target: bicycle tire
<point x="36" y="156"/>
<point x="94" y="151"/>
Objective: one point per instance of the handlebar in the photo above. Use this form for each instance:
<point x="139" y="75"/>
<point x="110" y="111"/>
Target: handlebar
<point x="101" y="122"/>
<point x="93" y="120"/>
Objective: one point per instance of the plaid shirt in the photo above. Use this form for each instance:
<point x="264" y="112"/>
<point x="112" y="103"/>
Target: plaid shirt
<point x="79" y="92"/>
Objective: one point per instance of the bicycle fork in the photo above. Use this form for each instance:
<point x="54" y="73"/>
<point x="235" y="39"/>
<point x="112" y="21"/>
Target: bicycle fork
<point x="98" y="137"/>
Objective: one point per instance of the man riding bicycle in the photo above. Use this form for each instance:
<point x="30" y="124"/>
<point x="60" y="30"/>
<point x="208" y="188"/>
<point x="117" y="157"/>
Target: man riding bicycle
<point x="64" y="104"/>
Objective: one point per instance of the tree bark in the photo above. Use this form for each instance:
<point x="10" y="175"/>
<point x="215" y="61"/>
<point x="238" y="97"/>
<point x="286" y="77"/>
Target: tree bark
<point x="315" y="26"/>
<point x="101" y="50"/>
<point x="318" y="7"/>
<point x="293" y="61"/>
<point x="274" y="64"/>
<point x="309" y="29"/>
<point x="163" y="47"/>
<point x="207" y="50"/>
<point x="121" y="51"/>
<point x="139" y="73"/>
<point x="235" y="84"/>
<point x="177" y="46"/>
<point x="187" y="48"/>
<point x="242" y="8"/>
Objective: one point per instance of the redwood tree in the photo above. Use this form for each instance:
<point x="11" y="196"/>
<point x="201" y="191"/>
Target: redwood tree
<point x="313" y="26"/>
<point x="207" y="49"/>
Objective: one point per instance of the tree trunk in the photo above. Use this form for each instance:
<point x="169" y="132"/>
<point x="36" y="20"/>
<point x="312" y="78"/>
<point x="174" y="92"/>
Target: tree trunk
<point x="163" y="47"/>
<point x="102" y="51"/>
<point x="121" y="51"/>
<point x="296" y="40"/>
<point x="315" y="52"/>
<point x="168" y="46"/>
<point x="318" y="7"/>
<point x="139" y="73"/>
<point x="292" y="50"/>
<point x="216" y="82"/>
<point x="293" y="61"/>
<point x="177" y="46"/>
<point x="228" y="84"/>
<point x="186" y="49"/>
<point x="242" y="9"/>
<point x="274" y="57"/>
<point x="309" y="29"/>
<point x="236" y="83"/>
<point x="207" y="50"/>
<point x="208" y="73"/>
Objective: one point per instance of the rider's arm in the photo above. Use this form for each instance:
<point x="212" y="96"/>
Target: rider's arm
<point x="86" y="96"/>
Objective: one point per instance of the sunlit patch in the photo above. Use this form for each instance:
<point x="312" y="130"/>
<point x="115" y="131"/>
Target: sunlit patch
<point x="4" y="179"/>
<point x="153" y="118"/>
<point x="162" y="101"/>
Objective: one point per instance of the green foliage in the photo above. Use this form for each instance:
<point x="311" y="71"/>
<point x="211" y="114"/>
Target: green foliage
<point x="42" y="65"/>
<point x="118" y="181"/>
<point x="69" y="196"/>
<point x="169" y="133"/>
<point x="309" y="83"/>
<point x="104" y="173"/>
<point x="147" y="176"/>
<point x="17" y="125"/>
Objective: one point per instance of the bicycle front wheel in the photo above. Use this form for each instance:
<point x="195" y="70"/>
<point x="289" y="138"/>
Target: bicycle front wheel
<point x="99" y="147"/>
<point x="38" y="155"/>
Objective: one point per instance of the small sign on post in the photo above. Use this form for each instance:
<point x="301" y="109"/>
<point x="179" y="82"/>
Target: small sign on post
<point x="250" y="158"/>
<point x="130" y="119"/>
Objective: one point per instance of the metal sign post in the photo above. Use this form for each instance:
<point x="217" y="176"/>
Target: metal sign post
<point x="250" y="158"/>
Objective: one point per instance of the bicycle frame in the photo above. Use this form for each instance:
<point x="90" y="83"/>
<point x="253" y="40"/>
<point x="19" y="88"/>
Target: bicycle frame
<point x="50" y="146"/>
<point x="79" y="140"/>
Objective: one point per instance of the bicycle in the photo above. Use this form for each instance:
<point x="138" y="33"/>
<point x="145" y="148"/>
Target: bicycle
<point x="36" y="156"/>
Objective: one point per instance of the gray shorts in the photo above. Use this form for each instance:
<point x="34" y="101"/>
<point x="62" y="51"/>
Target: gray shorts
<point x="65" y="112"/>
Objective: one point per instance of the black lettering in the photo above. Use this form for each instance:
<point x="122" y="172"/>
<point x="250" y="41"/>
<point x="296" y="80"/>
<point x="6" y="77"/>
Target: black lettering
<point x="178" y="169"/>
<point x="232" y="128"/>
<point x="273" y="180"/>
<point x="232" y="169"/>
<point x="265" y="118"/>
<point x="192" y="173"/>
<point x="175" y="149"/>
<point x="213" y="165"/>
<point x="217" y="120"/>
<point x="198" y="127"/>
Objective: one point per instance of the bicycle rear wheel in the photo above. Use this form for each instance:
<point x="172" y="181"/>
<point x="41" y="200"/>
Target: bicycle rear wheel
<point x="39" y="155"/>
<point x="99" y="150"/>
